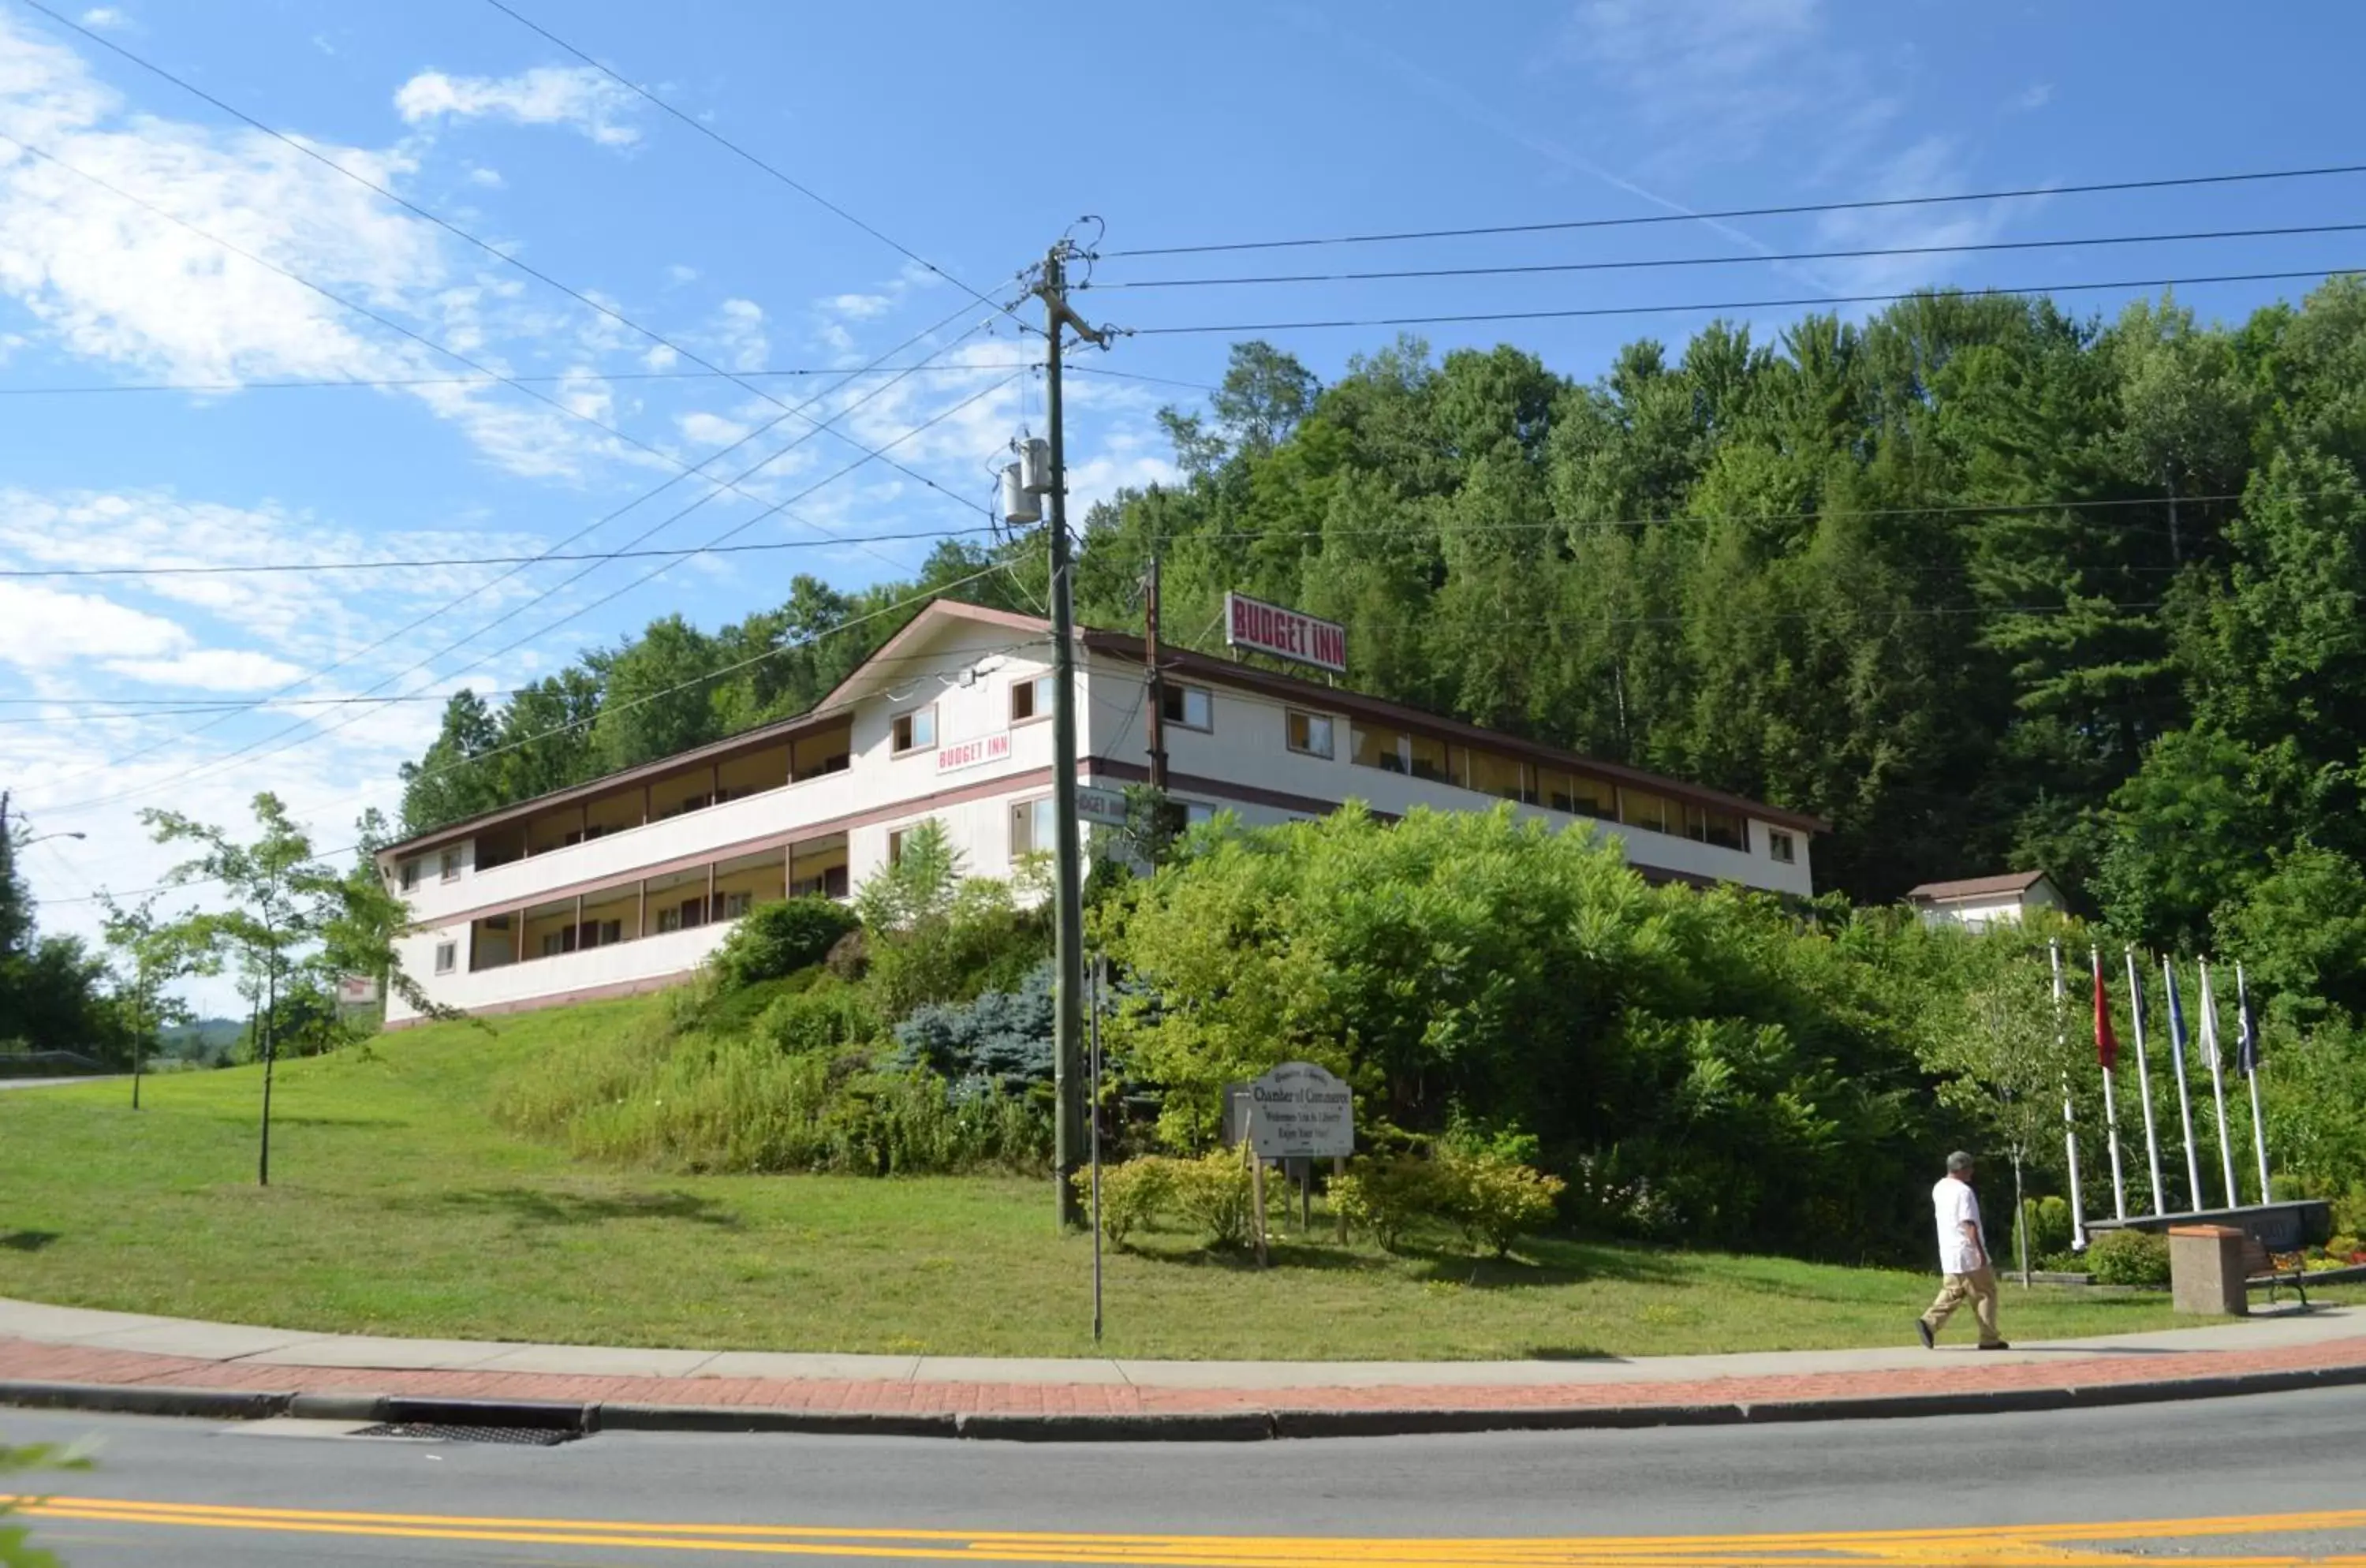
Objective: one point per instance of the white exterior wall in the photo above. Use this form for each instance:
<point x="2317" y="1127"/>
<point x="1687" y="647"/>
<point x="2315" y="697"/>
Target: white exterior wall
<point x="1978" y="914"/>
<point x="1245" y="748"/>
<point x="1248" y="745"/>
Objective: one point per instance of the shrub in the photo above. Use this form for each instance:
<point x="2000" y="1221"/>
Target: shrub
<point x="780" y="938"/>
<point x="850" y="957"/>
<point x="2046" y="1223"/>
<point x="1214" y="1192"/>
<point x="1382" y="1198"/>
<point x="2344" y="1248"/>
<point x="2130" y="1257"/>
<point x="825" y="1017"/>
<point x="1494" y="1200"/>
<point x="1002" y="1037"/>
<point x="1132" y="1194"/>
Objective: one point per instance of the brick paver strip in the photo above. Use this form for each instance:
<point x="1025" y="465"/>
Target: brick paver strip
<point x="1950" y="1373"/>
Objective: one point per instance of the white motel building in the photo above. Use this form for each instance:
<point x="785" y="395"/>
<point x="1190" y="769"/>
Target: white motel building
<point x="627" y="883"/>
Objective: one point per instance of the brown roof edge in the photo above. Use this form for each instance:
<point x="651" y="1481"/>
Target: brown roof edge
<point x="1313" y="693"/>
<point x="713" y="751"/>
<point x="1978" y="887"/>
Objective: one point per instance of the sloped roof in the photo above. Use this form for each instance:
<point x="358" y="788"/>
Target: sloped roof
<point x="1976" y="887"/>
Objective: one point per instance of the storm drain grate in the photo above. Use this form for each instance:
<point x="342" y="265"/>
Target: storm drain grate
<point x="448" y="1432"/>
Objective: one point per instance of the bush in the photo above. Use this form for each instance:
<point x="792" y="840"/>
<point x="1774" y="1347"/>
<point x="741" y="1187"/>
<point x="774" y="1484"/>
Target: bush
<point x="1382" y="1198"/>
<point x="2046" y="1224"/>
<point x="1132" y="1194"/>
<point x="2130" y="1257"/>
<point x="828" y="1016"/>
<point x="1003" y="1037"/>
<point x="2344" y="1248"/>
<point x="1214" y="1193"/>
<point x="1494" y="1200"/>
<point x="780" y="938"/>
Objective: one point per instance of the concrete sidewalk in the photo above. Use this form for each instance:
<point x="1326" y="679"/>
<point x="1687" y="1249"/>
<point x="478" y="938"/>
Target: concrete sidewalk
<point x="101" y="1350"/>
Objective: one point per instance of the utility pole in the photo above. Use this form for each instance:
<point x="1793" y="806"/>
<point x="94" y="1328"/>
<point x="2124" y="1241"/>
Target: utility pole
<point x="1068" y="926"/>
<point x="1154" y="674"/>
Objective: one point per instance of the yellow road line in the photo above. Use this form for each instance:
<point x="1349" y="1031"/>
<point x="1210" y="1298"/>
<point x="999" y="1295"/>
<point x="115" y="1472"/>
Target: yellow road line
<point x="2031" y="1546"/>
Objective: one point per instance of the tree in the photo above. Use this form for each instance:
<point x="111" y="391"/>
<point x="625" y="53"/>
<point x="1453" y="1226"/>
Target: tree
<point x="51" y="993"/>
<point x="151" y="953"/>
<point x="2003" y="1052"/>
<point x="282" y="903"/>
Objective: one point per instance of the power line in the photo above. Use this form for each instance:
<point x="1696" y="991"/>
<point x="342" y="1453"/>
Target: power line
<point x="1803" y="303"/>
<point x="496" y="252"/>
<point x="768" y="545"/>
<point x="572" y="377"/>
<point x="2101" y="187"/>
<point x="1749" y="260"/>
<point x="733" y="148"/>
<point x="424" y="562"/>
<point x="254" y="748"/>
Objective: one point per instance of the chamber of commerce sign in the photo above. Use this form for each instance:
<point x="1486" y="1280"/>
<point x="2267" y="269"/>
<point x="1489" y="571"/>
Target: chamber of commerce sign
<point x="1300" y="1110"/>
<point x="1286" y="633"/>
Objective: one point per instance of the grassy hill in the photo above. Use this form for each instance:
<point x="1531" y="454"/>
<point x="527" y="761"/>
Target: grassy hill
<point x="398" y="1207"/>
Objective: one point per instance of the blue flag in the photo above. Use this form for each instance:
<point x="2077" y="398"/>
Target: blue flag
<point x="2176" y="1021"/>
<point x="2247" y="1029"/>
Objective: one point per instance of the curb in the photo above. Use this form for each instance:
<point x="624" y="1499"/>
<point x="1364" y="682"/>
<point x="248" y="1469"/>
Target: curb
<point x="1180" y="1426"/>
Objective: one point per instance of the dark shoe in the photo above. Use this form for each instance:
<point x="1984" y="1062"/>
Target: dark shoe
<point x="1996" y="1344"/>
<point x="1930" y="1340"/>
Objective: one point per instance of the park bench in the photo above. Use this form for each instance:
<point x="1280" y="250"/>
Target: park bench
<point x="2261" y="1267"/>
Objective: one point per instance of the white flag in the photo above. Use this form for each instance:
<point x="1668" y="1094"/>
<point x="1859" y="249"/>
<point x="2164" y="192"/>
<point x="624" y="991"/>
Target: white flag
<point x="2209" y="1024"/>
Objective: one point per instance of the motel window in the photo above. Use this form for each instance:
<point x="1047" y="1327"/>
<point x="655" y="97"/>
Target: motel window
<point x="1499" y="776"/>
<point x="1031" y="699"/>
<point x="669" y="918"/>
<point x="446" y="956"/>
<point x="409" y="875"/>
<point x="737" y="903"/>
<point x="1198" y="811"/>
<point x="1310" y="733"/>
<point x="1034" y="829"/>
<point x="897" y="838"/>
<point x="1708" y="826"/>
<point x="1641" y="808"/>
<point x="1780" y="848"/>
<point x="1578" y="795"/>
<point x="1189" y="706"/>
<point x="1431" y="760"/>
<point x="451" y="865"/>
<point x="1381" y="749"/>
<point x="916" y="730"/>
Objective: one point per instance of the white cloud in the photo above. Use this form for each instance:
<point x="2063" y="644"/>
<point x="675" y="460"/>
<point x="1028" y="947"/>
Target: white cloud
<point x="711" y="429"/>
<point x="1704" y="74"/>
<point x="578" y="96"/>
<point x="48" y="628"/>
<point x="212" y="669"/>
<point x="2035" y="97"/>
<point x="858" y="306"/>
<point x="677" y="275"/>
<point x="478" y="174"/>
<point x="104" y="17"/>
<point x="660" y="356"/>
<point x="741" y="330"/>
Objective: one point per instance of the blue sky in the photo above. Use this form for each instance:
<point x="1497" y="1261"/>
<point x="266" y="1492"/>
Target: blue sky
<point x="948" y="128"/>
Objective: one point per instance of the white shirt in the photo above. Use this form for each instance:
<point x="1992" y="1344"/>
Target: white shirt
<point x="1957" y="1205"/>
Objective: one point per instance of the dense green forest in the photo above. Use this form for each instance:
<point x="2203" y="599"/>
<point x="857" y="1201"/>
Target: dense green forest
<point x="1987" y="584"/>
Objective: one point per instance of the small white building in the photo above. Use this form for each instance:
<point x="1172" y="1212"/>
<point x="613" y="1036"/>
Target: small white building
<point x="1979" y="902"/>
<point x="626" y="883"/>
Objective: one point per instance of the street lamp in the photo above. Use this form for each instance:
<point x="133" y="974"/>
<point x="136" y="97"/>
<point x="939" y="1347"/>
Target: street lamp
<point x="45" y="838"/>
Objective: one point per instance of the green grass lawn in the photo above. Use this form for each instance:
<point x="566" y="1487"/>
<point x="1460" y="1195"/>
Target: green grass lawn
<point x="396" y="1207"/>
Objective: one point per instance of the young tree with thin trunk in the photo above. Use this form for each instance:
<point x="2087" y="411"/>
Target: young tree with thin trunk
<point x="148" y="955"/>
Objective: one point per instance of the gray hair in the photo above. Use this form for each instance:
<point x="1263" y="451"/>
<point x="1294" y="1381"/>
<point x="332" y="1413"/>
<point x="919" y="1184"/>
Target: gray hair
<point x="1958" y="1163"/>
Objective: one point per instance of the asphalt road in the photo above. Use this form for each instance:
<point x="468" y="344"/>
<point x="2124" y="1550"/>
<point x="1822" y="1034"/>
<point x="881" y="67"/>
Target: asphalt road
<point x="2279" y="1479"/>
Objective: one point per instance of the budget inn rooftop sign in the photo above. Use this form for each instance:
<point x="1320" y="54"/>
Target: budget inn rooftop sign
<point x="1286" y="633"/>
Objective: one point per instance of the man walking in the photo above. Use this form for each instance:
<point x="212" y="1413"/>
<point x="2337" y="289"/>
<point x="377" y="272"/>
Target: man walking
<point x="1963" y="1258"/>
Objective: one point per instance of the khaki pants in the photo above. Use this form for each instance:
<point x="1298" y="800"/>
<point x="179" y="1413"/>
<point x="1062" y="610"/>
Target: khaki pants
<point x="1980" y="1284"/>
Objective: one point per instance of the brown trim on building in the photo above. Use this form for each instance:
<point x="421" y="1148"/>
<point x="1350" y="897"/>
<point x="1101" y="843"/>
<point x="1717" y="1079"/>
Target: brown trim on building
<point x="1300" y="693"/>
<point x="778" y="840"/>
<point x="1224" y="789"/>
<point x="716" y="753"/>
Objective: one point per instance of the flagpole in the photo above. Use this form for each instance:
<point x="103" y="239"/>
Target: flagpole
<point x="2184" y="1102"/>
<point x="2110" y="1106"/>
<point x="2143" y="1080"/>
<point x="2069" y="1115"/>
<point x="2250" y="1064"/>
<point x="2217" y="1081"/>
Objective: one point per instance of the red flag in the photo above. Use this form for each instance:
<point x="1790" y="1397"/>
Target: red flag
<point x="2107" y="1045"/>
